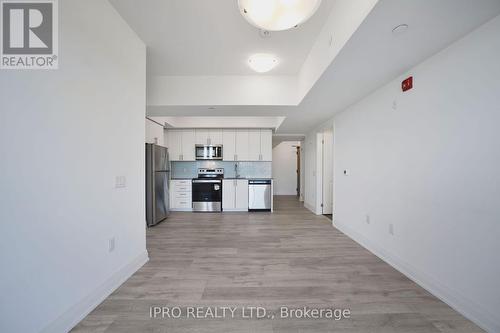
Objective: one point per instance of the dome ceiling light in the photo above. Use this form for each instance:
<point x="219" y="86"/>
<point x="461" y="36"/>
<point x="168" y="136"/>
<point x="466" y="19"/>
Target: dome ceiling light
<point x="277" y="15"/>
<point x="262" y="62"/>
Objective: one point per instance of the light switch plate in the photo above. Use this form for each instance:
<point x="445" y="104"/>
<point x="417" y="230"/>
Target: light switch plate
<point x="111" y="244"/>
<point x="120" y="182"/>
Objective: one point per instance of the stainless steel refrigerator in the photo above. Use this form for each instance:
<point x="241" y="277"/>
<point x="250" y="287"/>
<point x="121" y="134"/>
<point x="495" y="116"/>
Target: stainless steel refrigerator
<point x="157" y="177"/>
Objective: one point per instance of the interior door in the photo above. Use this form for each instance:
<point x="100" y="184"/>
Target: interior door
<point x="328" y="171"/>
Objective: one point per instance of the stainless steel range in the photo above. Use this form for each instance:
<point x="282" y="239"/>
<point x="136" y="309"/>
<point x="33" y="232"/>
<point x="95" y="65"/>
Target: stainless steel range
<point x="207" y="190"/>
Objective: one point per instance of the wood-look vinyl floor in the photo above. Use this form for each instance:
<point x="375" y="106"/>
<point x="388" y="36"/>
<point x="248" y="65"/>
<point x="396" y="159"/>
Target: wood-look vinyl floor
<point x="288" y="258"/>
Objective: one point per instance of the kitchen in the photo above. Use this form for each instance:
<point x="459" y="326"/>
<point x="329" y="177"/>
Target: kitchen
<point x="208" y="170"/>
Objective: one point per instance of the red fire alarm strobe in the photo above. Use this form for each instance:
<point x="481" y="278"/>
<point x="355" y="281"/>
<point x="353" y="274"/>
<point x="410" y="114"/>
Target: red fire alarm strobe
<point x="407" y="84"/>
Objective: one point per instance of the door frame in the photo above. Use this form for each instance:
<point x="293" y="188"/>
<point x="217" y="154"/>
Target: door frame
<point x="321" y="168"/>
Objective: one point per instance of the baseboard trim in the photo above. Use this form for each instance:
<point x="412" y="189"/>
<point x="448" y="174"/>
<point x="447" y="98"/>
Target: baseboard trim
<point x="469" y="309"/>
<point x="75" y="314"/>
<point x="310" y="207"/>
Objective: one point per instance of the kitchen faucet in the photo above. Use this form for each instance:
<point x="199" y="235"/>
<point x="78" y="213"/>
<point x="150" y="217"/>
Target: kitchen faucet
<point x="236" y="170"/>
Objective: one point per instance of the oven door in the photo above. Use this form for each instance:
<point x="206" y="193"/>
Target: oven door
<point x="207" y="195"/>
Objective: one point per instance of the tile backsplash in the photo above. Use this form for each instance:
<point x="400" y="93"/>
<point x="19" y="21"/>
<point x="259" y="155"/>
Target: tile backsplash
<point x="245" y="169"/>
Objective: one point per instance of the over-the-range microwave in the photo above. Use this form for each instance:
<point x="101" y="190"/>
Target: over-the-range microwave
<point x="208" y="152"/>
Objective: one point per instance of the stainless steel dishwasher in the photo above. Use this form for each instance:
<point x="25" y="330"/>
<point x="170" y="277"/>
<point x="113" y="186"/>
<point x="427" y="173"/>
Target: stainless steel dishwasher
<point x="259" y="195"/>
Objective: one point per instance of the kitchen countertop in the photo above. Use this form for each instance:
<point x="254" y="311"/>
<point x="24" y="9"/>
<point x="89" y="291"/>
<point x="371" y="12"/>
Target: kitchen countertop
<point x="253" y="178"/>
<point x="228" y="178"/>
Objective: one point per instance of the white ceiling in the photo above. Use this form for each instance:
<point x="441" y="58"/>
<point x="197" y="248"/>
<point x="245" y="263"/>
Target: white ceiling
<point x="210" y="37"/>
<point x="220" y="122"/>
<point x="371" y="58"/>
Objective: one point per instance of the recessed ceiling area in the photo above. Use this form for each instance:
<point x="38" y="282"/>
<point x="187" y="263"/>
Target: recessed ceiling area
<point x="210" y="37"/>
<point x="220" y="122"/>
<point x="203" y="63"/>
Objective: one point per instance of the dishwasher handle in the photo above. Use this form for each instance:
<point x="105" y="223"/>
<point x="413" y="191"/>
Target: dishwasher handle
<point x="259" y="182"/>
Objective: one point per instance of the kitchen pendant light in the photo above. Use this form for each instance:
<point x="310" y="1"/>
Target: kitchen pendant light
<point x="262" y="62"/>
<point x="277" y="15"/>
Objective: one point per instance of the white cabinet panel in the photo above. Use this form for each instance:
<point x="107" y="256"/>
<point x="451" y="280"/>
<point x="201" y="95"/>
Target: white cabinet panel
<point x="266" y="144"/>
<point x="174" y="145"/>
<point x="241" y="200"/>
<point x="241" y="145"/>
<point x="180" y="195"/>
<point x="202" y="136"/>
<point x="254" y="145"/>
<point x="229" y="145"/>
<point x="238" y="144"/>
<point x="228" y="194"/>
<point x="211" y="136"/>
<point x="235" y="195"/>
<point x="188" y="143"/>
<point x="215" y="136"/>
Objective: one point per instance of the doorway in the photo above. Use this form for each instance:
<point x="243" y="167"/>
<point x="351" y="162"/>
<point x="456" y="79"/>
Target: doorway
<point x="327" y="173"/>
<point x="298" y="171"/>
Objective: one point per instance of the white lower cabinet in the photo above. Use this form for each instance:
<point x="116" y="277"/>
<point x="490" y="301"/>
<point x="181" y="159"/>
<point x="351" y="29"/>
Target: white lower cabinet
<point x="235" y="195"/>
<point x="180" y="195"/>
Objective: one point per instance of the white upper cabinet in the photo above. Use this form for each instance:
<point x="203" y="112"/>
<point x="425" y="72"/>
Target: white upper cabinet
<point x="254" y="145"/>
<point x="215" y="136"/>
<point x="241" y="145"/>
<point x="229" y="145"/>
<point x="188" y="143"/>
<point x="174" y="144"/>
<point x="266" y="145"/>
<point x="238" y="144"/>
<point x="211" y="136"/>
<point x="201" y="136"/>
<point x="180" y="145"/>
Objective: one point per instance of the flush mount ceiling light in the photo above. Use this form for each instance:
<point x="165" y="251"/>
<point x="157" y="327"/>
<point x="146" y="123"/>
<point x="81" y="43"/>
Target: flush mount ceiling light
<point x="400" y="29"/>
<point x="277" y="15"/>
<point x="262" y="63"/>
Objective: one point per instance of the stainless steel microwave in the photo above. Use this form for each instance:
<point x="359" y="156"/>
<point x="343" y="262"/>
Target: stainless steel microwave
<point x="208" y="152"/>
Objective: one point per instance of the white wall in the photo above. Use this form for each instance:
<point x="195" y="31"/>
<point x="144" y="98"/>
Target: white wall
<point x="64" y="137"/>
<point x="223" y="90"/>
<point x="427" y="162"/>
<point x="345" y="18"/>
<point x="285" y="168"/>
<point x="155" y="133"/>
